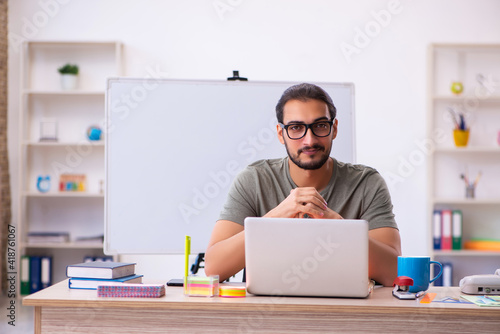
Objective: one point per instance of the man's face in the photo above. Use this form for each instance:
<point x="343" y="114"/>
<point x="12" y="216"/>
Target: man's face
<point x="309" y="152"/>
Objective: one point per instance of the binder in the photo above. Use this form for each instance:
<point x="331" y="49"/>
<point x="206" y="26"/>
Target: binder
<point x="25" y="275"/>
<point x="46" y="272"/>
<point x="447" y="274"/>
<point x="446" y="278"/>
<point x="457" y="229"/>
<point x="436" y="227"/>
<point x="446" y="230"/>
<point x="35" y="273"/>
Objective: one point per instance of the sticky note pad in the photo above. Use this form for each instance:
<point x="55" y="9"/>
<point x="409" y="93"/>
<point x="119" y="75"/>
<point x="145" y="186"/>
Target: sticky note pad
<point x="202" y="286"/>
<point x="232" y="291"/>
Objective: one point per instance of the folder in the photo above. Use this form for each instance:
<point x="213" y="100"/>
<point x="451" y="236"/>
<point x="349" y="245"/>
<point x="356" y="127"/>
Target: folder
<point x="46" y="272"/>
<point x="446" y="278"/>
<point x="436" y="227"/>
<point x="35" y="273"/>
<point x="457" y="229"/>
<point x="446" y="243"/>
<point x="447" y="274"/>
<point x="25" y="275"/>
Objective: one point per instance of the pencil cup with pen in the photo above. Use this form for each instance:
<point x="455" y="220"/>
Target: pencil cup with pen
<point x="470" y="186"/>
<point x="461" y="131"/>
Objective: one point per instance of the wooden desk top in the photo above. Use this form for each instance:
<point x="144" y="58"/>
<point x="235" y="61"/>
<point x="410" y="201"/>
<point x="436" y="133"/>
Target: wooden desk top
<point x="381" y="299"/>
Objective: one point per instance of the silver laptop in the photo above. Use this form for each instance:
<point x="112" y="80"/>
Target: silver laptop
<point x="306" y="257"/>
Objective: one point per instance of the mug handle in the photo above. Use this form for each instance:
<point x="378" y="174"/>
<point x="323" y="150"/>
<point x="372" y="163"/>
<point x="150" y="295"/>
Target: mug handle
<point x="440" y="271"/>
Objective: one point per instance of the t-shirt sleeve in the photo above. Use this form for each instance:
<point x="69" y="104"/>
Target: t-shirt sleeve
<point x="377" y="208"/>
<point x="240" y="202"/>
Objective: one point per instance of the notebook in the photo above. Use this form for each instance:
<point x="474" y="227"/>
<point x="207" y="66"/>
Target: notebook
<point x="307" y="257"/>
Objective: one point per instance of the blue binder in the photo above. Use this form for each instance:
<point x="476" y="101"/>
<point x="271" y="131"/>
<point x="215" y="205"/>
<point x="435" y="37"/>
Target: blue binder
<point x="35" y="273"/>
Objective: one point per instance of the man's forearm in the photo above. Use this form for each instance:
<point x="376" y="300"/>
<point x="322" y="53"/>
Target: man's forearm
<point x="383" y="262"/>
<point x="227" y="257"/>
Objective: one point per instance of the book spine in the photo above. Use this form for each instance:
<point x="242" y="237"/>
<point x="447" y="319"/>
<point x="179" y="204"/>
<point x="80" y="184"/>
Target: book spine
<point x="46" y="272"/>
<point x="35" y="273"/>
<point x="446" y="230"/>
<point x="436" y="227"/>
<point x="457" y="229"/>
<point x="25" y="275"/>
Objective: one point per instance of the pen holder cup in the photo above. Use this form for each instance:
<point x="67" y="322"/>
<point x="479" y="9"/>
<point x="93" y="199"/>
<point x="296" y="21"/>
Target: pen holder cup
<point x="470" y="191"/>
<point x="461" y="137"/>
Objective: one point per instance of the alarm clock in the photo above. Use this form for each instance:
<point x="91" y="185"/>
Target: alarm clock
<point x="43" y="183"/>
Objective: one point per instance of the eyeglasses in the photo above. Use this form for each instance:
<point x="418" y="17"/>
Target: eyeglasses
<point x="299" y="130"/>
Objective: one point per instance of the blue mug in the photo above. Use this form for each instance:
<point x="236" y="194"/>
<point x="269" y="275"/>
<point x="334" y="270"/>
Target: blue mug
<point x="419" y="269"/>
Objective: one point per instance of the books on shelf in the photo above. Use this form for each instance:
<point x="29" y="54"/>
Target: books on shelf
<point x="93" y="283"/>
<point x="100" y="269"/>
<point x="36" y="273"/>
<point x="47" y="237"/>
<point x="447" y="229"/>
<point x="131" y="290"/>
<point x="98" y="239"/>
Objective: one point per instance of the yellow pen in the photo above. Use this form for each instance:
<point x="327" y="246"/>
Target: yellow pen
<point x="187" y="252"/>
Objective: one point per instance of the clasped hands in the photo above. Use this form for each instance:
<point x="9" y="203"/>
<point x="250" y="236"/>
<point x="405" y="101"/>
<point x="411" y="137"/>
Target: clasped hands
<point x="301" y="201"/>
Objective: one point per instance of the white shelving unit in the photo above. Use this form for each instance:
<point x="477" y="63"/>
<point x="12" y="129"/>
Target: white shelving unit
<point x="81" y="214"/>
<point x="446" y="162"/>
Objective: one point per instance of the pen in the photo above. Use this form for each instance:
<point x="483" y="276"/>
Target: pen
<point x="420" y="294"/>
<point x="187" y="251"/>
<point x="477" y="178"/>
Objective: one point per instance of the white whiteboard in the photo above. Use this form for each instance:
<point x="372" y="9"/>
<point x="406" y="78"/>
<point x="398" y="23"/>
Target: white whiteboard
<point x="173" y="148"/>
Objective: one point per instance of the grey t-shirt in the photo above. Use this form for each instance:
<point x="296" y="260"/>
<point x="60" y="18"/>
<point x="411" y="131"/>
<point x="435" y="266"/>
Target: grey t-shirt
<point x="354" y="191"/>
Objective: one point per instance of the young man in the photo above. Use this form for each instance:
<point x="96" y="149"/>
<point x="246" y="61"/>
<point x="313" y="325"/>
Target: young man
<point x="306" y="183"/>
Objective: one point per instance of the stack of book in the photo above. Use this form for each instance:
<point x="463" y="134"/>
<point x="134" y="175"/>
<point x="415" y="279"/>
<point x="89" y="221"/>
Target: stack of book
<point x="89" y="275"/>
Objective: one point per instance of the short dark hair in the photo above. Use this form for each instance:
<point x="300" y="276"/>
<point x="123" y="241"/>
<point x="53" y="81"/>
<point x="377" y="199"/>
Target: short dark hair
<point x="304" y="92"/>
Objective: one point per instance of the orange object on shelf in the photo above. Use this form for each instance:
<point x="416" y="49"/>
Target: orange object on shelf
<point x="483" y="245"/>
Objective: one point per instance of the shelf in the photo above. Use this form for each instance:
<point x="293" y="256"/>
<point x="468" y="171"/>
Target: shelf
<point x="63" y="144"/>
<point x="468" y="149"/>
<point x="464" y="252"/>
<point x="467" y="201"/>
<point x="451" y="98"/>
<point x="70" y="43"/>
<point x="63" y="93"/>
<point x="68" y="245"/>
<point x="69" y="194"/>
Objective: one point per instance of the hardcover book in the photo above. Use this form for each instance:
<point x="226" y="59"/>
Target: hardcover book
<point x="100" y="269"/>
<point x="93" y="283"/>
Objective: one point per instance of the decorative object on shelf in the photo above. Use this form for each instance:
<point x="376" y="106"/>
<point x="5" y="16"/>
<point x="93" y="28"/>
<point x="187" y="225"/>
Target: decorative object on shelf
<point x="43" y="183"/>
<point x="48" y="130"/>
<point x="72" y="182"/>
<point x="460" y="132"/>
<point x="498" y="137"/>
<point x="69" y="76"/>
<point x="94" y="133"/>
<point x="470" y="187"/>
<point x="457" y="87"/>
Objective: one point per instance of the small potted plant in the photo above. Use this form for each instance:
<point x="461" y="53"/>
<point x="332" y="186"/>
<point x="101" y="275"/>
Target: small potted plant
<point x="69" y="76"/>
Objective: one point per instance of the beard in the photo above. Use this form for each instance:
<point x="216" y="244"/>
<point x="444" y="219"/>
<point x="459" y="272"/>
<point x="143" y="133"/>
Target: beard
<point x="310" y="165"/>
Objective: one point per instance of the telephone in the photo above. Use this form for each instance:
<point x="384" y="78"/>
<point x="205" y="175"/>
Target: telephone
<point x="481" y="284"/>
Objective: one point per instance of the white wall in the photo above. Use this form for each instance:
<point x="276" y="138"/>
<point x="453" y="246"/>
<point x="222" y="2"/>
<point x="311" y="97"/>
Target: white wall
<point x="284" y="40"/>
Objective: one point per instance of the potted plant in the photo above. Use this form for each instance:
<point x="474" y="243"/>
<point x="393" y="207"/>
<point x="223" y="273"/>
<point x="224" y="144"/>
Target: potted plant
<point x="69" y="76"/>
